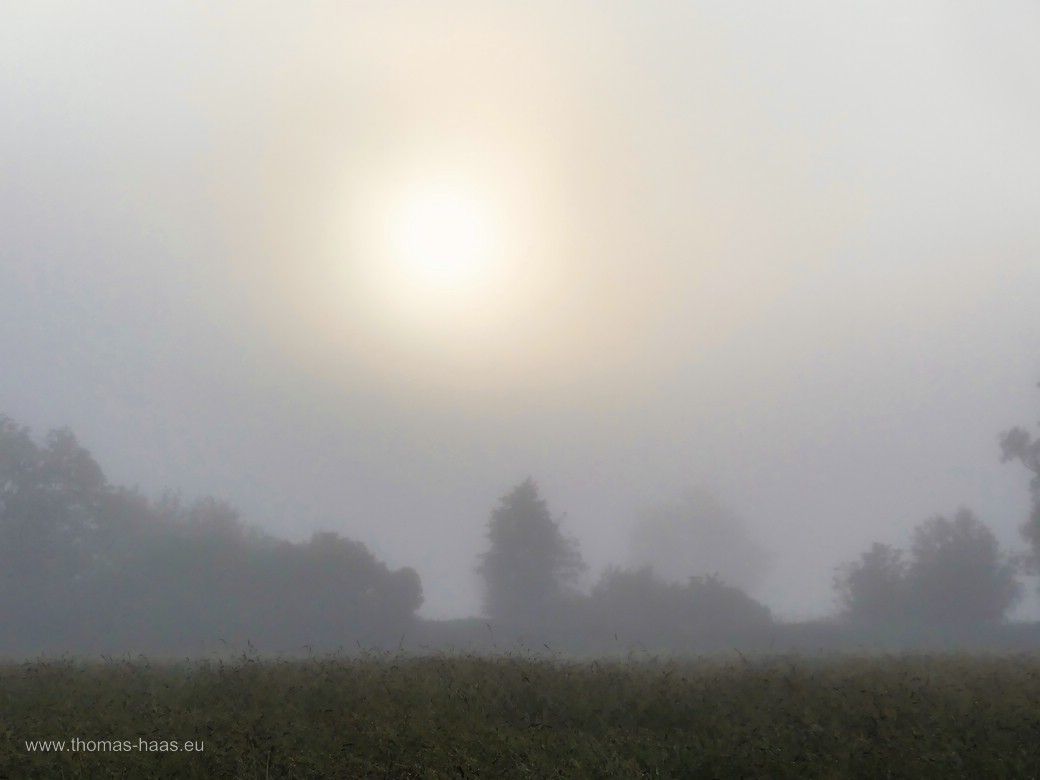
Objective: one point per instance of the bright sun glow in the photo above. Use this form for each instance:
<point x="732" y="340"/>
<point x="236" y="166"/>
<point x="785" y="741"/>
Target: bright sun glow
<point x="433" y="259"/>
<point x="442" y="244"/>
<point x="442" y="240"/>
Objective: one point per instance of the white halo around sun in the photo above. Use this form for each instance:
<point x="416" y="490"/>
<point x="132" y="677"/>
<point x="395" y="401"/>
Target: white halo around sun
<point x="442" y="241"/>
<point x="433" y="255"/>
<point x="437" y="261"/>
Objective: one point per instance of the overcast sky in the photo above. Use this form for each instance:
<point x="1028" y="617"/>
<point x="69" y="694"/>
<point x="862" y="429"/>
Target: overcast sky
<point x="788" y="253"/>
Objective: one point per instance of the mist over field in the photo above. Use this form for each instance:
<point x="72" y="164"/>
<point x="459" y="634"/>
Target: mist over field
<point x="686" y="326"/>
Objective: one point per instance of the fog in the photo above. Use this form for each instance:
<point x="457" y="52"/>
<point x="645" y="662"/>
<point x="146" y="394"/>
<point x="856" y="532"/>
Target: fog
<point x="786" y="256"/>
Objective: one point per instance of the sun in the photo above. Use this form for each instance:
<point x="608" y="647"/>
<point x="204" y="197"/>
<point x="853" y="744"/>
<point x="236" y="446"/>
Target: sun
<point x="429" y="260"/>
<point x="443" y="242"/>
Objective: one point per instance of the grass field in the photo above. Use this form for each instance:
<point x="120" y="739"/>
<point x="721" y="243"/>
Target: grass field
<point x="923" y="716"/>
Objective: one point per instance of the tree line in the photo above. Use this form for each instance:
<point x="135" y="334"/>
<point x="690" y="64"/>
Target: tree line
<point x="90" y="567"/>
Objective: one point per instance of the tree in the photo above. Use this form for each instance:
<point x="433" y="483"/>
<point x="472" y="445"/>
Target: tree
<point x="1019" y="445"/>
<point x="636" y="605"/>
<point x="530" y="565"/>
<point x="89" y="567"/>
<point x="958" y="573"/>
<point x="873" y="589"/>
<point x="332" y="589"/>
<point x="53" y="499"/>
<point x="694" y="536"/>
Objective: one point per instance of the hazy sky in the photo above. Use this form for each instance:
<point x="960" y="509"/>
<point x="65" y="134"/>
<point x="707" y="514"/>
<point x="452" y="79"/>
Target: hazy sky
<point x="789" y="253"/>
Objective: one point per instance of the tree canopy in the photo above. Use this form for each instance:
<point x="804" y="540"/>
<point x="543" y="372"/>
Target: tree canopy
<point x="88" y="566"/>
<point x="530" y="566"/>
<point x="956" y="574"/>
<point x="639" y="606"/>
<point x="1021" y="446"/>
<point x="695" y="536"/>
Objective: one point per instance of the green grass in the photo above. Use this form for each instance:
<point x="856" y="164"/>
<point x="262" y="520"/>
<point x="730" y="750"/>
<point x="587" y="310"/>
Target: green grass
<point x="938" y="716"/>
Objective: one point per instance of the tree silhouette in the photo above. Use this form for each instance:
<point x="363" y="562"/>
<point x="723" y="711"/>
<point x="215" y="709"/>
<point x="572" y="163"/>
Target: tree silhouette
<point x="89" y="567"/>
<point x="53" y="506"/>
<point x="694" y="536"/>
<point x="957" y="574"/>
<point x="1019" y="445"/>
<point x="873" y="589"/>
<point x="530" y="565"/>
<point x="637" y="605"/>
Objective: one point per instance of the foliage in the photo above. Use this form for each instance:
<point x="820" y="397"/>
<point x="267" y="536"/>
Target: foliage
<point x="956" y="574"/>
<point x="530" y="566"/>
<point x="1019" y="445"/>
<point x="89" y="567"/>
<point x="938" y="716"/>
<point x="695" y="536"/>
<point x="873" y="589"/>
<point x="639" y="606"/>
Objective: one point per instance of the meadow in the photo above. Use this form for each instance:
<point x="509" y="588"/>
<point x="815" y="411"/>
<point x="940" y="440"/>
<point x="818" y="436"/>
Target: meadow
<point x="527" y="716"/>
